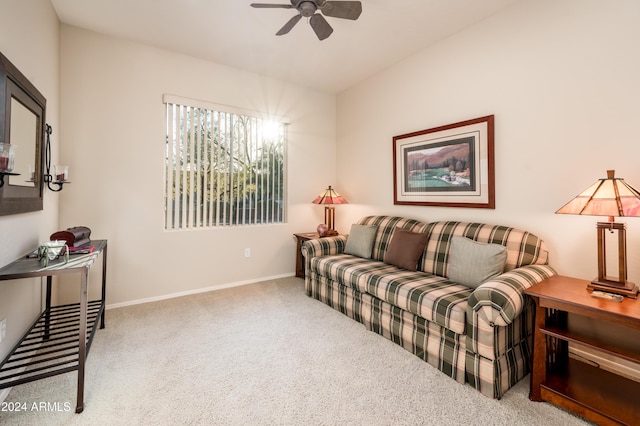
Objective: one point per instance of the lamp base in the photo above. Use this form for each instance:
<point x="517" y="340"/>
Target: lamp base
<point x="626" y="288"/>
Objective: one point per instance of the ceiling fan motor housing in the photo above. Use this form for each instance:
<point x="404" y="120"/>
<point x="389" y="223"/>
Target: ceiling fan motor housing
<point x="307" y="8"/>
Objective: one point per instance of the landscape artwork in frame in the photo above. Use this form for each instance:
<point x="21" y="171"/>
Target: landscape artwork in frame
<point x="449" y="165"/>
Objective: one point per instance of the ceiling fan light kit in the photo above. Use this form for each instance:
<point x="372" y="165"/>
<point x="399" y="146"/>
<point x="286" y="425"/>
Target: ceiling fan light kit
<point x="308" y="8"/>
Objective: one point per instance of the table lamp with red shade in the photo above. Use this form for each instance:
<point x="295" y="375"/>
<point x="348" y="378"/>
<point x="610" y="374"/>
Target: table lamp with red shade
<point x="329" y="197"/>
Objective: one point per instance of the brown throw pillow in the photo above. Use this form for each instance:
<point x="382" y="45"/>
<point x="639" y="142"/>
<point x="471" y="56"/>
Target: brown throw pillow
<point x="405" y="249"/>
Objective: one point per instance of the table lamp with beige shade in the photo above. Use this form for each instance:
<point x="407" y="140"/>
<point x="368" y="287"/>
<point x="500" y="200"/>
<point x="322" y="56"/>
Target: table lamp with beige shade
<point x="609" y="197"/>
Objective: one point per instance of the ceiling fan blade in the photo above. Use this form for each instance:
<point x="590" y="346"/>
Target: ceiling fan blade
<point x="342" y="9"/>
<point x="272" y="6"/>
<point x="320" y="26"/>
<point x="290" y="24"/>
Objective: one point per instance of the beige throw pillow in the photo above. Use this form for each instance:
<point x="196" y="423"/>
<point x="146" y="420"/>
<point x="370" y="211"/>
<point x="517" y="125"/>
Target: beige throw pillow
<point x="471" y="263"/>
<point x="360" y="240"/>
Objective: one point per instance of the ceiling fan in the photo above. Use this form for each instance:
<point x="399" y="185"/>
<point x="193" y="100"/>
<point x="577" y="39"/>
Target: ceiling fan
<point x="308" y="8"/>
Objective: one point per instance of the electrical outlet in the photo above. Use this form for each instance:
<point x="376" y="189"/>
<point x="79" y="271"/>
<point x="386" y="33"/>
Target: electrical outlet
<point x="247" y="252"/>
<point x="3" y="329"/>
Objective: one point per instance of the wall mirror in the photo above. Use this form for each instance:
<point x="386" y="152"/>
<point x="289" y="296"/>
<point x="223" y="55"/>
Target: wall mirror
<point x="22" y="124"/>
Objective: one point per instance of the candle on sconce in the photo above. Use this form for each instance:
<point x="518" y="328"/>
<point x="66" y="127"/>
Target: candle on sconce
<point x="6" y="157"/>
<point x="62" y="173"/>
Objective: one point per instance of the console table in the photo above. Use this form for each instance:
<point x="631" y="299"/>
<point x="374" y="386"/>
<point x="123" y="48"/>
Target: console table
<point x="591" y="392"/>
<point x="59" y="340"/>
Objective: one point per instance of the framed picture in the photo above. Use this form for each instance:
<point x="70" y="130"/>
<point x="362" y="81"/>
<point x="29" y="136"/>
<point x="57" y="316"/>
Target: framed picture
<point x="446" y="166"/>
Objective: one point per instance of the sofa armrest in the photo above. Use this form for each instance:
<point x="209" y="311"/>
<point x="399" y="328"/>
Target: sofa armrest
<point x="498" y="301"/>
<point x="323" y="246"/>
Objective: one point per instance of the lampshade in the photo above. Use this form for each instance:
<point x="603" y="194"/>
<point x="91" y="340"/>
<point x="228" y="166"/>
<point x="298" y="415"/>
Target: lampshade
<point x="607" y="197"/>
<point x="329" y="196"/>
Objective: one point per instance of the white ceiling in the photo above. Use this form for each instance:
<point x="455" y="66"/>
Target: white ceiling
<point x="232" y="33"/>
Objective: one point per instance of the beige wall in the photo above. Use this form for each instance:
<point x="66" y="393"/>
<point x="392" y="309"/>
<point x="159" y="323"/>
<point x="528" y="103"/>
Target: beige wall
<point x="29" y="38"/>
<point x="561" y="77"/>
<point x="113" y="131"/>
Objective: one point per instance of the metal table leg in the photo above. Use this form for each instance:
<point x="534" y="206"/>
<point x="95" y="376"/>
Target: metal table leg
<point x="47" y="320"/>
<point x="82" y="339"/>
<point x="104" y="283"/>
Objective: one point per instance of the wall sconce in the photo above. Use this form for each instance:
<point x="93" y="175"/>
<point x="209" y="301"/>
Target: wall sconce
<point x="609" y="197"/>
<point x="61" y="172"/>
<point x="329" y="196"/>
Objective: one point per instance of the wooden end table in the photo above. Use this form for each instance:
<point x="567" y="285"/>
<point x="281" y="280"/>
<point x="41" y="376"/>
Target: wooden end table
<point x="587" y="390"/>
<point x="300" y="239"/>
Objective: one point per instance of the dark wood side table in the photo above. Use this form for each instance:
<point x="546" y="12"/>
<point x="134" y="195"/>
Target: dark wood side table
<point x="591" y="392"/>
<point x="300" y="239"/>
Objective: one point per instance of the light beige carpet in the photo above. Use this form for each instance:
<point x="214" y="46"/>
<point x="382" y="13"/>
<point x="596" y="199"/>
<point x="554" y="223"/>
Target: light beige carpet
<point x="261" y="354"/>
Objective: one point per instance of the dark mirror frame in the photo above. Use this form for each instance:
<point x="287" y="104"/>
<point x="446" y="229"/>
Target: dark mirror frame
<point x="16" y="199"/>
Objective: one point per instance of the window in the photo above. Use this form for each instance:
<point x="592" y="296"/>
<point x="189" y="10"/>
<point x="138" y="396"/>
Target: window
<point x="224" y="167"/>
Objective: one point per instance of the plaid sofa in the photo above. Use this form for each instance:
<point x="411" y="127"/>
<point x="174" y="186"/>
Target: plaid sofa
<point x="481" y="337"/>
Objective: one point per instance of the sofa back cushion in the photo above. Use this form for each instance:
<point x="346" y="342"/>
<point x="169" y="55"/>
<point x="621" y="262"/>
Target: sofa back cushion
<point x="523" y="248"/>
<point x="386" y="225"/>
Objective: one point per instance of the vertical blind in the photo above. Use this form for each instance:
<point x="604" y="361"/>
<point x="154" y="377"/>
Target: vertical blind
<point x="223" y="168"/>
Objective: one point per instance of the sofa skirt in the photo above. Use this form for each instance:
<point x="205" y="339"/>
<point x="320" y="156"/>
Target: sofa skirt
<point x="442" y="348"/>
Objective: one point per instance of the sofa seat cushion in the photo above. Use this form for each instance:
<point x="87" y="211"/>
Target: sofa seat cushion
<point x="428" y="296"/>
<point x="348" y="270"/>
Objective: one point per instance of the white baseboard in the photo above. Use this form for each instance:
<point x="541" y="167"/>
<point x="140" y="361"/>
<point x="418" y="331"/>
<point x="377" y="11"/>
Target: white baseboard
<point x="196" y="291"/>
<point x="607" y="362"/>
